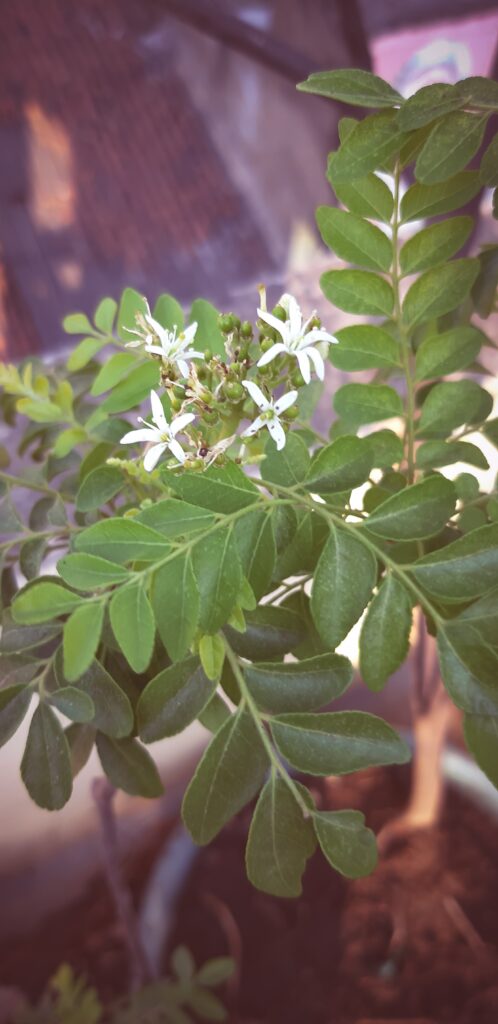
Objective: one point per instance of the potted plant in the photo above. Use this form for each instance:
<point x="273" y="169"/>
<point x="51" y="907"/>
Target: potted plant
<point x="206" y="562"/>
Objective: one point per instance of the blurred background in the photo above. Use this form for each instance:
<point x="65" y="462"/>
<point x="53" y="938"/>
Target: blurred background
<point x="162" y="144"/>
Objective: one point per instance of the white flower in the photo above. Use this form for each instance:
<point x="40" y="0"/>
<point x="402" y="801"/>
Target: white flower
<point x="161" y="434"/>
<point x="298" y="339"/>
<point x="270" y="412"/>
<point x="173" y="345"/>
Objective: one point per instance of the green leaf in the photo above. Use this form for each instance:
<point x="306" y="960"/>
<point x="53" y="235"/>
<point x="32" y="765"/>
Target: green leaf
<point x="169" y="313"/>
<point x="77" y="323"/>
<point x="428" y="104"/>
<point x="208" y="333"/>
<point x="422" y="201"/>
<point x="131" y="391"/>
<point x="24" y="638"/>
<point x="462" y="570"/>
<point x="173" y="518"/>
<point x="489" y="164"/>
<point x="216" y="971"/>
<point x="45" y="766"/>
<point x="84" y="353"/>
<point x="81" y="638"/>
<point x="354" y="86"/>
<point x="483" y="616"/>
<point x="481" y="737"/>
<point x="68" y="440"/>
<point x="73" y="703"/>
<point x="256" y="548"/>
<point x="438" y="291"/>
<point x="113" y="712"/>
<point x="132" y="621"/>
<point x="298" y="555"/>
<point x="280" y="841"/>
<point x="113" y="371"/>
<point x="364" y="347"/>
<point x="385" y="634"/>
<point x="99" y="487"/>
<point x="212" y="655"/>
<point x="486" y="284"/>
<point x="31" y="555"/>
<point x="122" y="540"/>
<point x="130" y="304"/>
<point x="386" y="448"/>
<point x="299" y="685"/>
<point x="175" y="600"/>
<point x="366" y="403"/>
<point x="433" y="454"/>
<point x="340" y="466"/>
<point x="14" y="703"/>
<point x="451" y="145"/>
<point x="478" y="92"/>
<point x="218" y="575"/>
<point x="347" y="844"/>
<point x="336" y="743"/>
<point x="271" y="632"/>
<point x="43" y="600"/>
<point x="343" y="582"/>
<point x="452" y="403"/>
<point x="444" y="353"/>
<point x="81" y="739"/>
<point x="220" y="489"/>
<point x="358" y="291"/>
<point x="129" y="766"/>
<point x="228" y="775"/>
<point x="435" y="244"/>
<point x="90" y="572"/>
<point x="354" y="239"/>
<point x="214" y="714"/>
<point x="368" y="197"/>
<point x="173" y="699"/>
<point x="416" y="512"/>
<point x="39" y="411"/>
<point x="289" y="466"/>
<point x="205" y="1005"/>
<point x="368" y="147"/>
<point x="105" y="315"/>
<point x="469" y="669"/>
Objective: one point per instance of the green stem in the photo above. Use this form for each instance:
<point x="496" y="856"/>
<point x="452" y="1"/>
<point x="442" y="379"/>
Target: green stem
<point x="404" y="338"/>
<point x="265" y="739"/>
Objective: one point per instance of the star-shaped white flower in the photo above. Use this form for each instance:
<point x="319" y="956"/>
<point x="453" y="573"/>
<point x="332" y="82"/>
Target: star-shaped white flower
<point x="160" y="434"/>
<point x="173" y="345"/>
<point x="270" y="413"/>
<point x="298" y="338"/>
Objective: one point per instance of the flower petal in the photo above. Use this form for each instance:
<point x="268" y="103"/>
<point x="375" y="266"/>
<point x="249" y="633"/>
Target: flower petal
<point x="272" y="352"/>
<point x="189" y="334"/>
<point x="304" y="366"/>
<point x="317" y="361"/>
<point x="285" y="402"/>
<point x="162" y="333"/>
<point x="182" y="366"/>
<point x="254" y="427"/>
<point x="256" y="394"/>
<point x="274" y="322"/>
<point x="180" y="422"/>
<point x="156" y="349"/>
<point x="316" y="334"/>
<point x="158" y="412"/>
<point x="143" y="434"/>
<point x="176" y="450"/>
<point x="152" y="457"/>
<point x="277" y="432"/>
<point x="295" y="317"/>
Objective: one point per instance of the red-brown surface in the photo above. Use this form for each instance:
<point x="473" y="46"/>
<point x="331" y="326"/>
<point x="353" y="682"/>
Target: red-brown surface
<point x="416" y="942"/>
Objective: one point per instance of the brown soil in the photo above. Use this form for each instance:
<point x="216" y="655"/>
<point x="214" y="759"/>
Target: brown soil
<point x="416" y="942"/>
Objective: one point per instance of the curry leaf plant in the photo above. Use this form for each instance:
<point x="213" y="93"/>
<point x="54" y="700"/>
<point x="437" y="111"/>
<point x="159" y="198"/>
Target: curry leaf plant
<point x="181" y="543"/>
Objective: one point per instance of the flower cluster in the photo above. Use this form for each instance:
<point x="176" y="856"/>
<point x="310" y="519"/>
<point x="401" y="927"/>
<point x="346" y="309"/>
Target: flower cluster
<point x="217" y="392"/>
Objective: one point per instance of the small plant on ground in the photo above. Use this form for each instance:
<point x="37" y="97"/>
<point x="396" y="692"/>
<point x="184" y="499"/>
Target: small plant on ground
<point x="164" y="570"/>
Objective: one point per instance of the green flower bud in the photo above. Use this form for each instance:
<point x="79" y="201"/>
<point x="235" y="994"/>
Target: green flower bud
<point x="208" y="355"/>
<point x="210" y="416"/>
<point x="266" y="343"/>
<point x="176" y="404"/>
<point x="178" y="391"/>
<point x="234" y="391"/>
<point x="292" y="413"/>
<point x="236" y="321"/>
<point x="226" y="323"/>
<point x="297" y="378"/>
<point x="246" y="329"/>
<point x="280" y="313"/>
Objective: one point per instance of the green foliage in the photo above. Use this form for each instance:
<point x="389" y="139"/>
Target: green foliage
<point x="216" y="585"/>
